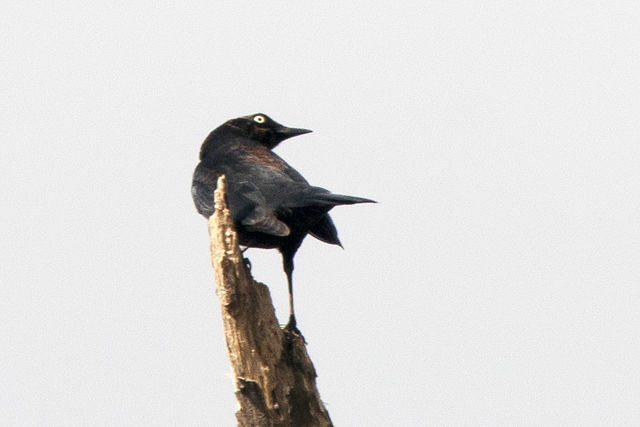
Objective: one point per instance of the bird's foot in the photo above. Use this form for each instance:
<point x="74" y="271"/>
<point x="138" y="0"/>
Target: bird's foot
<point x="247" y="263"/>
<point x="291" y="330"/>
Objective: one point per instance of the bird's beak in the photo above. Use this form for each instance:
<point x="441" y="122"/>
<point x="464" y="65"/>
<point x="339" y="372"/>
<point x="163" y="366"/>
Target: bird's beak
<point x="290" y="132"/>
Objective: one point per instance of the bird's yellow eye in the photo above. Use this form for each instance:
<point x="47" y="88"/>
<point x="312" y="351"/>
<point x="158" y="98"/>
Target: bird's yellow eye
<point x="259" y="119"/>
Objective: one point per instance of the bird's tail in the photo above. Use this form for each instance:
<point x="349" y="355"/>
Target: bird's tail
<point x="340" y="199"/>
<point x="319" y="197"/>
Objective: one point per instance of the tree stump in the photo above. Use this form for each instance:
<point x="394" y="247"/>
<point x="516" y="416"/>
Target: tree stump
<point x="273" y="375"/>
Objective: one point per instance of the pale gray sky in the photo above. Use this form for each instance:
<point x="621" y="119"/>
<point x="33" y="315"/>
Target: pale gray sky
<point x="496" y="283"/>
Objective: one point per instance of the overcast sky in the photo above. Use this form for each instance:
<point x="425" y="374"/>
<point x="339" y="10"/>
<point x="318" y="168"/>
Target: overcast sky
<point x="496" y="283"/>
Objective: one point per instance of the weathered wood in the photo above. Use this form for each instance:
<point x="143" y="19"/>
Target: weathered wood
<point x="273" y="375"/>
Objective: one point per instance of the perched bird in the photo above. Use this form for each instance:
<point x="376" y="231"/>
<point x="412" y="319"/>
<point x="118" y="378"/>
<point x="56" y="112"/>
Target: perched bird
<point x="271" y="204"/>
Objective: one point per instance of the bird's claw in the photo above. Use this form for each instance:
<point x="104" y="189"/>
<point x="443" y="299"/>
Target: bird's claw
<point x="247" y="264"/>
<point x="291" y="330"/>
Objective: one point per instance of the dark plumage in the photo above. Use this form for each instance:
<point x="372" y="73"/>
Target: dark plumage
<point x="272" y="205"/>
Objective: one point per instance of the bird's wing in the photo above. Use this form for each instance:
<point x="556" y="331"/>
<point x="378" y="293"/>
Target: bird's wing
<point x="203" y="198"/>
<point x="263" y="220"/>
<point x="262" y="189"/>
<point x="202" y="188"/>
<point x="250" y="207"/>
<point x="247" y="203"/>
<point x="242" y="196"/>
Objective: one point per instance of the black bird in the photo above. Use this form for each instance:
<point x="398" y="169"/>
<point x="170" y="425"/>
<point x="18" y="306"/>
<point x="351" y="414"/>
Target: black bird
<point x="271" y="204"/>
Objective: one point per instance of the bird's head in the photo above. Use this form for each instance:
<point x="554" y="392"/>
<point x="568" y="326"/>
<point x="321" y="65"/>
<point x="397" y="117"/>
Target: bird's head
<point x="263" y="129"/>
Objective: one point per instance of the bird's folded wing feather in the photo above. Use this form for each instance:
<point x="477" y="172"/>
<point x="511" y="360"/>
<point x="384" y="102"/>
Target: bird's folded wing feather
<point x="203" y="197"/>
<point x="250" y="207"/>
<point x="264" y="221"/>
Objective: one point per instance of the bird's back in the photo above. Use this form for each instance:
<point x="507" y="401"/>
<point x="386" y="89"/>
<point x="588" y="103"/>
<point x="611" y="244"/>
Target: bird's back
<point x="252" y="170"/>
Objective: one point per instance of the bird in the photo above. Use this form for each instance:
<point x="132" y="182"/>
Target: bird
<point x="272" y="205"/>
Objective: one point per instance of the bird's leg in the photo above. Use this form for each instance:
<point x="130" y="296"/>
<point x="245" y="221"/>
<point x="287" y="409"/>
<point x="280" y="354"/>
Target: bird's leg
<point x="288" y="251"/>
<point x="287" y="262"/>
<point x="247" y="262"/>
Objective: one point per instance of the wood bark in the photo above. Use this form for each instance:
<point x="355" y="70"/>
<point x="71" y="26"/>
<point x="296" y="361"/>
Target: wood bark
<point x="273" y="375"/>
